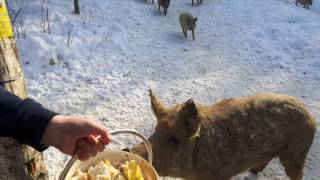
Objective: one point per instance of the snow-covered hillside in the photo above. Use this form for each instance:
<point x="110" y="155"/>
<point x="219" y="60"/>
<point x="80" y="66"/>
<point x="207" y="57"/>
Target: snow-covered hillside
<point x="121" y="48"/>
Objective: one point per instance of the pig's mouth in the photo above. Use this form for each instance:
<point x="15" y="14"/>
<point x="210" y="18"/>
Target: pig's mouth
<point x="126" y="150"/>
<point x="140" y="153"/>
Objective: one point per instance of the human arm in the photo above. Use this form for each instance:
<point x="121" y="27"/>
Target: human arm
<point x="30" y="123"/>
<point x="24" y="120"/>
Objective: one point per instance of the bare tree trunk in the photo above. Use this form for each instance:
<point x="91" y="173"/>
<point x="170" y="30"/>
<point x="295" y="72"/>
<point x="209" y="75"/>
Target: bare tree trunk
<point x="76" y="6"/>
<point x="17" y="161"/>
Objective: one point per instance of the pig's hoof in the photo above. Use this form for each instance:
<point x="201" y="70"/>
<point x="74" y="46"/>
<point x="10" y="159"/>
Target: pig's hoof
<point x="253" y="171"/>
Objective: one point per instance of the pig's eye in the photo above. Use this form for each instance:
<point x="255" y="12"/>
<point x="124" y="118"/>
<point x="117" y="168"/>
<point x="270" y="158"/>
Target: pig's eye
<point x="174" y="140"/>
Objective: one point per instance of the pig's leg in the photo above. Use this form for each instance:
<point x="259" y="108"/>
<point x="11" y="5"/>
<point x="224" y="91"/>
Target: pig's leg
<point x="193" y="34"/>
<point x="224" y="178"/>
<point x="293" y="164"/>
<point x="259" y="167"/>
<point x="184" y="32"/>
<point x="292" y="169"/>
<point x="210" y="176"/>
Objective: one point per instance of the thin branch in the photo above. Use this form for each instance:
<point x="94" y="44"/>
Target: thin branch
<point x="108" y="33"/>
<point x="15" y="16"/>
<point x="43" y="19"/>
<point x="69" y="37"/>
<point x="48" y="21"/>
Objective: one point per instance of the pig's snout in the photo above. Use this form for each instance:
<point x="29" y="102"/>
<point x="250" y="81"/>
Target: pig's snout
<point x="139" y="150"/>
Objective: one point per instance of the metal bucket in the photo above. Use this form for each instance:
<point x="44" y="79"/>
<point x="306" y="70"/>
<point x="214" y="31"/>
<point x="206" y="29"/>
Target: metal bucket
<point x="148" y="171"/>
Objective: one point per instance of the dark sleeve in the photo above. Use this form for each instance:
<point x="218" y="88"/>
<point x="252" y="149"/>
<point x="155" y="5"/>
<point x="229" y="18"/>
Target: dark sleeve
<point x="23" y="120"/>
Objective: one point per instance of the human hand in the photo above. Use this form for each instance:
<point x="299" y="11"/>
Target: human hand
<point x="76" y="135"/>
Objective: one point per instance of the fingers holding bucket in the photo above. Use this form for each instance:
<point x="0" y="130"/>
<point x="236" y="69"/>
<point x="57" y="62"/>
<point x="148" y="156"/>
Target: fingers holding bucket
<point x="89" y="147"/>
<point x="99" y="131"/>
<point x="96" y="143"/>
<point x="82" y="156"/>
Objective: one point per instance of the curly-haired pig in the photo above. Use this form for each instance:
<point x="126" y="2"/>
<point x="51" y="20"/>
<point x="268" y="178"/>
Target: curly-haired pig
<point x="188" y="23"/>
<point x="198" y="1"/>
<point x="305" y="3"/>
<point x="219" y="141"/>
<point x="164" y="4"/>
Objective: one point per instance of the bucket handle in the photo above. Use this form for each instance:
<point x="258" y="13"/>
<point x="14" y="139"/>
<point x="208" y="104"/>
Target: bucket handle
<point x="113" y="132"/>
<point x="145" y="140"/>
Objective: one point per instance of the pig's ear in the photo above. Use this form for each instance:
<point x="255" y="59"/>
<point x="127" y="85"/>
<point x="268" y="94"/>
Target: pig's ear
<point x="158" y="107"/>
<point x="189" y="117"/>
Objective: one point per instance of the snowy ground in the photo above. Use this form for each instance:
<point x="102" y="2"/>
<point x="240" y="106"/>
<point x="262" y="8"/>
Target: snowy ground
<point x="121" y="48"/>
